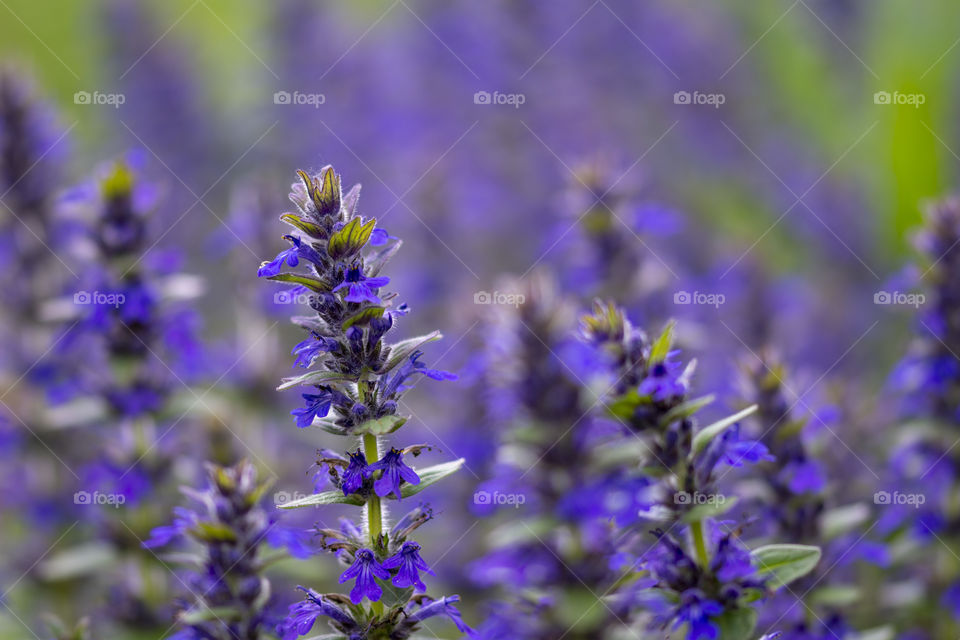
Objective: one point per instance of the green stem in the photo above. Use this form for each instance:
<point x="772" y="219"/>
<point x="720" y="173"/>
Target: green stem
<point x="374" y="513"/>
<point x="700" y="543"/>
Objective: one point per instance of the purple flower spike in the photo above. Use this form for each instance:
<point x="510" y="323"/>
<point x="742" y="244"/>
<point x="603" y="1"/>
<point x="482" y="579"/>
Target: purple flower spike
<point x="409" y="563"/>
<point x="394" y="471"/>
<point x="365" y="570"/>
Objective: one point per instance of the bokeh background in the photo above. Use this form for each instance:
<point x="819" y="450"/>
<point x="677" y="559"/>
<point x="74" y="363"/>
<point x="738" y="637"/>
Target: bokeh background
<point x="759" y="166"/>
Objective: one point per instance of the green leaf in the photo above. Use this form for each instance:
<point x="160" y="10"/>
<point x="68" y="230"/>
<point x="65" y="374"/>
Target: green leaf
<point x="708" y="433"/>
<point x="350" y="239"/>
<point x="784" y="563"/>
<point x="580" y="610"/>
<point x="296" y="278"/>
<point x="393" y="596"/>
<point x="311" y="229"/>
<point x="363" y="317"/>
<point x="82" y="560"/>
<point x="710" y="509"/>
<point x="314" y="377"/>
<point x="402" y="350"/>
<point x="380" y="426"/>
<point x="625" y="406"/>
<point x="837" y="595"/>
<point x="325" y="196"/>
<point x="430" y="476"/>
<point x="330" y="427"/>
<point x="737" y="624"/>
<point x="213" y="532"/>
<point x="840" y="520"/>
<point x="877" y="633"/>
<point x="214" y="614"/>
<point x="660" y="348"/>
<point x="687" y="409"/>
<point x="326" y="497"/>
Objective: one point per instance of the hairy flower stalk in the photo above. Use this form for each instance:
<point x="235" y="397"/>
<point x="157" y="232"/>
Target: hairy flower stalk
<point x="354" y="386"/>
<point x="230" y="595"/>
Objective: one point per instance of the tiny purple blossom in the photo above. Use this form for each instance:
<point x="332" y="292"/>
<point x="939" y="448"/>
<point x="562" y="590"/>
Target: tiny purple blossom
<point x="291" y="256"/>
<point x="361" y="287"/>
<point x="163" y="535"/>
<point x="697" y="610"/>
<point x="409" y="563"/>
<point x="749" y="451"/>
<point x="380" y="237"/>
<point x="308" y="350"/>
<point x="303" y="615"/>
<point x="394" y="471"/>
<point x="443" y="606"/>
<point x="410" y="368"/>
<point x="365" y="569"/>
<point x="665" y="380"/>
<point x="355" y="473"/>
<point x="317" y="407"/>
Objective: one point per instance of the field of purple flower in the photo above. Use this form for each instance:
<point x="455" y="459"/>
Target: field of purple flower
<point x="646" y="325"/>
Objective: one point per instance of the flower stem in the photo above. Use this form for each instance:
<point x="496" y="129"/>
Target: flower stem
<point x="374" y="514"/>
<point x="700" y="543"/>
